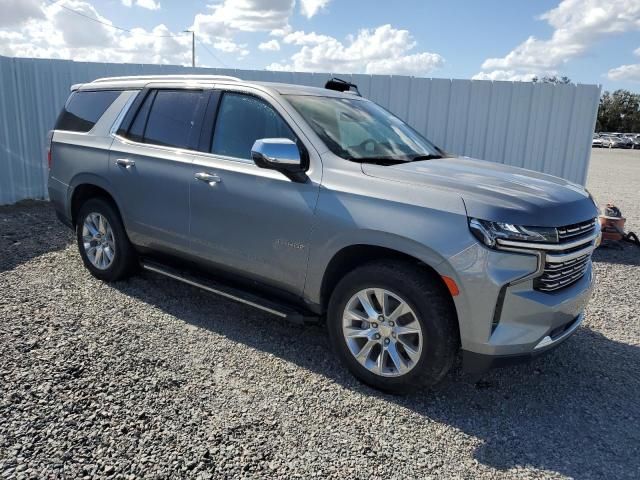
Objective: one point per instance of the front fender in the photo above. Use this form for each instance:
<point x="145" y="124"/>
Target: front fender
<point x="319" y="263"/>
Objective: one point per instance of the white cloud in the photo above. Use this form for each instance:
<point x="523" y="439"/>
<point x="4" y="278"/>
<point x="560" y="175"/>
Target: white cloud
<point x="626" y="72"/>
<point x="74" y="29"/>
<point x="218" y="26"/>
<point x="11" y="36"/>
<point x="309" y="8"/>
<point x="229" y="46"/>
<point x="148" y="4"/>
<point x="577" y="25"/>
<point x="16" y="12"/>
<point x="415" y="64"/>
<point x="281" y="32"/>
<point x="382" y="50"/>
<point x="243" y="15"/>
<point x="270" y="46"/>
<point x="60" y="33"/>
<point x="302" y="38"/>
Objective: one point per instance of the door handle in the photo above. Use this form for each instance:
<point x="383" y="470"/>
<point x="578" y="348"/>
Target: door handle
<point x="125" y="162"/>
<point x="209" y="178"/>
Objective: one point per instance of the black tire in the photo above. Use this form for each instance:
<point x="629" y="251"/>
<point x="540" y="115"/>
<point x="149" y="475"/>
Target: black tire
<point x="434" y="310"/>
<point x="124" y="262"/>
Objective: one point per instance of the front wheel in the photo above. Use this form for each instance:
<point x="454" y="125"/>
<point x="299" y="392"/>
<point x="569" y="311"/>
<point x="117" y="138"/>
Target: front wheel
<point x="393" y="325"/>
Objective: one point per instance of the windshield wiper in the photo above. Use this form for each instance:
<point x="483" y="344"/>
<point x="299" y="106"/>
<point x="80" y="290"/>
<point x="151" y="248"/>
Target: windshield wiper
<point x="394" y="161"/>
<point x="419" y="158"/>
<point x="377" y="160"/>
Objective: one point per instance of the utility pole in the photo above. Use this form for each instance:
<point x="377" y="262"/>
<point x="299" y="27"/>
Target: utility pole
<point x="193" y="47"/>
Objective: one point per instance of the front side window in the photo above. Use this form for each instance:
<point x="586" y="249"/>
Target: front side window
<point x="84" y="109"/>
<point x="360" y="130"/>
<point x="243" y="119"/>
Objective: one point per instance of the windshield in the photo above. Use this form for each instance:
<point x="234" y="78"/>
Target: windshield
<point x="359" y="130"/>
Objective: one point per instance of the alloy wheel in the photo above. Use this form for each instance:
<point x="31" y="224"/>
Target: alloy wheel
<point x="382" y="332"/>
<point x="98" y="240"/>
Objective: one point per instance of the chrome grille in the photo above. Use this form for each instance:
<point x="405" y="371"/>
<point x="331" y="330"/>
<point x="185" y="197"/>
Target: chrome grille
<point x="562" y="274"/>
<point x="572" y="232"/>
<point x="566" y="261"/>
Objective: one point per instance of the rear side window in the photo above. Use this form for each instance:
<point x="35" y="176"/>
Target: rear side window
<point x="84" y="108"/>
<point x="243" y="119"/>
<point x="170" y="117"/>
<point x="136" y="132"/>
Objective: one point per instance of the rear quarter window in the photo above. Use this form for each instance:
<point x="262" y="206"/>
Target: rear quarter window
<point x="84" y="108"/>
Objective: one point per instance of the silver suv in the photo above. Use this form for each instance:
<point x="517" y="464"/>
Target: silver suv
<point x="317" y="204"/>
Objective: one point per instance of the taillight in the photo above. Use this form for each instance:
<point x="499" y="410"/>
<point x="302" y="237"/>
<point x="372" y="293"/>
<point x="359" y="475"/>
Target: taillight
<point x="49" y="157"/>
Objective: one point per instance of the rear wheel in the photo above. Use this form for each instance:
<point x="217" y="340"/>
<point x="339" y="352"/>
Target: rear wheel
<point x="393" y="326"/>
<point x="103" y="243"/>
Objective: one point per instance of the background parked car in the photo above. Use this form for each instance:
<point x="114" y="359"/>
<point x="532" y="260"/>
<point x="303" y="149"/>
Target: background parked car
<point x="626" y="142"/>
<point x="634" y="140"/>
<point x="597" y="141"/>
<point x="611" y="141"/>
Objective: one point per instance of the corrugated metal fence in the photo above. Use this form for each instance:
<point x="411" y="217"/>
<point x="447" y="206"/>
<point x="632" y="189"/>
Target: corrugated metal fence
<point x="538" y="126"/>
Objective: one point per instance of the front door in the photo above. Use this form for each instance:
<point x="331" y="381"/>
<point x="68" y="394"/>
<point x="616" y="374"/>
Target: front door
<point x="244" y="218"/>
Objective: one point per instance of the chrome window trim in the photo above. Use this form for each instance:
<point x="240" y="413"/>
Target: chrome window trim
<point x="118" y="121"/>
<point x="162" y="148"/>
<point x="185" y="151"/>
<point x="195" y="154"/>
<point x="272" y="102"/>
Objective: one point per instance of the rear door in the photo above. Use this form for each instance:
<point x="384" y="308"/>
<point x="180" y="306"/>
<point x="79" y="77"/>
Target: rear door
<point x="250" y="220"/>
<point x="150" y="166"/>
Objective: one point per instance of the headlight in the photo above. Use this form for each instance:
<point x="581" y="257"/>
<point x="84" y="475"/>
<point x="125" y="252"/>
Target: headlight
<point x="593" y="200"/>
<point x="489" y="232"/>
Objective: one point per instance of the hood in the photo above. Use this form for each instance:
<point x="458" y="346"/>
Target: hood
<point x="497" y="192"/>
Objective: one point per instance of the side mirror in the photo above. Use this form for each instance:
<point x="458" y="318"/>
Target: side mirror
<point x="279" y="154"/>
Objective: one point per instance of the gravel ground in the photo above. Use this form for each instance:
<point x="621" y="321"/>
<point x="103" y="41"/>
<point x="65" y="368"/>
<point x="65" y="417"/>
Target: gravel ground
<point x="152" y="378"/>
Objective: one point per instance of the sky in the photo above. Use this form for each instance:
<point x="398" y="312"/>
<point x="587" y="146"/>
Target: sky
<point x="590" y="41"/>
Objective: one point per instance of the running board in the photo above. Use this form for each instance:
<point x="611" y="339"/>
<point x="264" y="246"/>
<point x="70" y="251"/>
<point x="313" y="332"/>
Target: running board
<point x="281" y="310"/>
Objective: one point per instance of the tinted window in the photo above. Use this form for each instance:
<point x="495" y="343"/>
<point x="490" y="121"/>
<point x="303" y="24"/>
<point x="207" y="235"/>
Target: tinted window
<point x="243" y="119"/>
<point x="84" y="109"/>
<point x="136" y="132"/>
<point x="174" y="118"/>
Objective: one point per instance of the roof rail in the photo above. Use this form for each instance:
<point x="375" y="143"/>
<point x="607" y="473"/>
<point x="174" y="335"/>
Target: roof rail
<point x="167" y="78"/>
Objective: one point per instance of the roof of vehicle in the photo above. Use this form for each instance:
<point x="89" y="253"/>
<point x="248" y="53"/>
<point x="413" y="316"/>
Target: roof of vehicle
<point x="141" y="81"/>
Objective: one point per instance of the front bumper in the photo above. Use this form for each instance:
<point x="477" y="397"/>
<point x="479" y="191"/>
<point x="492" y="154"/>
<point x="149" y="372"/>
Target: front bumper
<point x="503" y="318"/>
<point x="476" y="363"/>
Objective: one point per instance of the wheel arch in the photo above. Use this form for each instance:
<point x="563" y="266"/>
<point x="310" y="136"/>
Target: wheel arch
<point x="84" y="187"/>
<point x="350" y="257"/>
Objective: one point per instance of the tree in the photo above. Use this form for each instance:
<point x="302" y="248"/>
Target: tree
<point x="619" y="112"/>
<point x="552" y="79"/>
